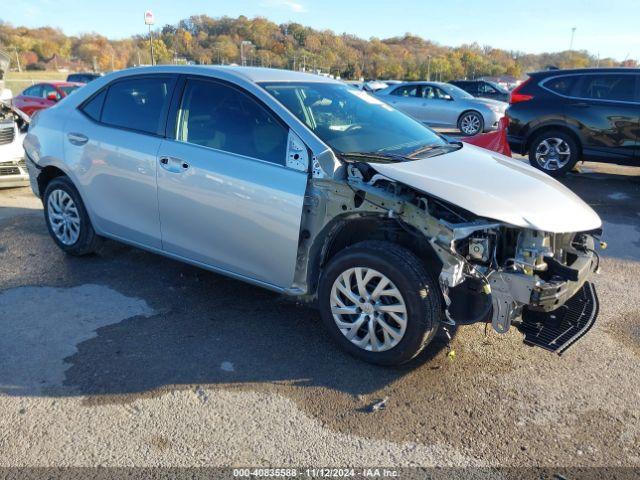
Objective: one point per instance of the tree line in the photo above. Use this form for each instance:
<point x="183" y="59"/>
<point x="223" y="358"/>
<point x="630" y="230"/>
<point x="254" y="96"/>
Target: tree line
<point x="204" y="40"/>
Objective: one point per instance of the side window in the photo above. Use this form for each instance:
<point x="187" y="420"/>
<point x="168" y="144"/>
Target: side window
<point x="221" y="117"/>
<point x="35" y="91"/>
<point x="441" y="94"/>
<point x="608" y="87"/>
<point x="138" y="103"/>
<point x="93" y="108"/>
<point x="486" y="89"/>
<point x="561" y="85"/>
<point x="47" y="89"/>
<point x="428" y="92"/>
<point x="406" y="91"/>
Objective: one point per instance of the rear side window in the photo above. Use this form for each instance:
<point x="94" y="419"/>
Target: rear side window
<point x="561" y="85"/>
<point x="406" y="91"/>
<point x="221" y="117"/>
<point x="93" y="107"/>
<point x="609" y="87"/>
<point x="138" y="104"/>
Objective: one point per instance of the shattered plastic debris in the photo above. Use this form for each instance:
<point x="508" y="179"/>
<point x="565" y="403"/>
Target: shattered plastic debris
<point x="381" y="405"/>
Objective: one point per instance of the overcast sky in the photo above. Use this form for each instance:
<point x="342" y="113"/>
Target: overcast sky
<point x="610" y="28"/>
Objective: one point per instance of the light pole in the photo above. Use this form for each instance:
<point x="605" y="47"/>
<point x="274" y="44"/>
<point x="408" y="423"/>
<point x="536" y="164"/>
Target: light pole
<point x="573" y="32"/>
<point x="149" y="20"/>
<point x="243" y="60"/>
<point x="428" y="68"/>
<point x="15" y="49"/>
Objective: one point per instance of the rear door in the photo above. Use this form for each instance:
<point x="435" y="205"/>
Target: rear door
<point x="227" y="199"/>
<point x="607" y="108"/>
<point x="406" y="98"/>
<point x="112" y="143"/>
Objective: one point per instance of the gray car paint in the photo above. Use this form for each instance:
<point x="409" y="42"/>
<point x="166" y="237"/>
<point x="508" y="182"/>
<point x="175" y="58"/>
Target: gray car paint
<point x="438" y="112"/>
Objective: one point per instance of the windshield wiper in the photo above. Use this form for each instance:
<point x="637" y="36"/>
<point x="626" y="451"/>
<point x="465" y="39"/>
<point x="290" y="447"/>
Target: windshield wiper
<point x="375" y="156"/>
<point x="429" y="148"/>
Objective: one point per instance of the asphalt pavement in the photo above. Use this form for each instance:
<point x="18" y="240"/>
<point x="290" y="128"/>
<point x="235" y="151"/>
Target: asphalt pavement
<point x="128" y="358"/>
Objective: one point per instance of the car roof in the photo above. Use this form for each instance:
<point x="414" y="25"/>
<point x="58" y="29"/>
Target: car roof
<point x="422" y="82"/>
<point x="251" y="74"/>
<point x="574" y="71"/>
<point x="60" y="83"/>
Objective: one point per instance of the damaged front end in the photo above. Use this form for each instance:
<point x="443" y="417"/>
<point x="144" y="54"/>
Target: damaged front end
<point x="539" y="279"/>
<point x="490" y="271"/>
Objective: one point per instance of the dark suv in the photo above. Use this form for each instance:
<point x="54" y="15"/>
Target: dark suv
<point x="559" y="117"/>
<point x="83" y="77"/>
<point x="483" y="89"/>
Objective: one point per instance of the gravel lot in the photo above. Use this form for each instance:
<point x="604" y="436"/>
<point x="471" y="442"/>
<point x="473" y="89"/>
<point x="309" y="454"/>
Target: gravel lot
<point x="128" y="358"/>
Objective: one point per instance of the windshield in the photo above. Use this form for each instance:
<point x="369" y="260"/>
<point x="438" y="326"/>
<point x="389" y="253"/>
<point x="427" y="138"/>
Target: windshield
<point x="351" y="121"/>
<point x="67" y="89"/>
<point x="498" y="87"/>
<point x="455" y="92"/>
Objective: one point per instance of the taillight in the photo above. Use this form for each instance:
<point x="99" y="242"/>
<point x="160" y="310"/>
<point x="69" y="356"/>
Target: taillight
<point x="517" y="97"/>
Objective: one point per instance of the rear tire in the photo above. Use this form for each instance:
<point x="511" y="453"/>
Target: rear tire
<point x="554" y="152"/>
<point x="67" y="219"/>
<point x="404" y="314"/>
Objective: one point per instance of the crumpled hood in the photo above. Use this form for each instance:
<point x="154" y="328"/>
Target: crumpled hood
<point x="493" y="186"/>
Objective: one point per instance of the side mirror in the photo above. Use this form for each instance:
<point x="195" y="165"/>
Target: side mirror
<point x="448" y="98"/>
<point x="53" y="96"/>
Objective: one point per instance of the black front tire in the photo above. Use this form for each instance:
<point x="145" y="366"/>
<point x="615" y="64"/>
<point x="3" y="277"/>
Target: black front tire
<point x="549" y="136"/>
<point x="87" y="241"/>
<point x="418" y="287"/>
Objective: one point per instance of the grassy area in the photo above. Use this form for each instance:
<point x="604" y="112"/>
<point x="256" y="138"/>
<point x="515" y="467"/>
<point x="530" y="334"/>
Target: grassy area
<point x="18" y="81"/>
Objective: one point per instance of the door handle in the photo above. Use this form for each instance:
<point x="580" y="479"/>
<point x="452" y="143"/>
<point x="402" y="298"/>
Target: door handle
<point x="77" y="139"/>
<point x="173" y="165"/>
<point x="580" y="105"/>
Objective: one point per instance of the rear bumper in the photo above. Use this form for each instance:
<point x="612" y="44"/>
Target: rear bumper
<point x="516" y="143"/>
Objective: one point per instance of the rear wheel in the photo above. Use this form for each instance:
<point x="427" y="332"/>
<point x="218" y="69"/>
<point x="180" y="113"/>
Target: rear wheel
<point x="379" y="302"/>
<point x="554" y="152"/>
<point x="471" y="123"/>
<point x="67" y="219"/>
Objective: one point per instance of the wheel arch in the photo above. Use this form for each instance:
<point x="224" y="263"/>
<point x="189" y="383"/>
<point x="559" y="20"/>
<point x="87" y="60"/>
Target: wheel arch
<point x="47" y="174"/>
<point x="348" y="230"/>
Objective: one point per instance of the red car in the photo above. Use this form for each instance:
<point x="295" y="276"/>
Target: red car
<point x="43" y="95"/>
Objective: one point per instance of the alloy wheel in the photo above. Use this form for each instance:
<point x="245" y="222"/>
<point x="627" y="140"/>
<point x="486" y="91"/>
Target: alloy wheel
<point x="553" y="153"/>
<point x="470" y="124"/>
<point x="368" y="309"/>
<point x="63" y="217"/>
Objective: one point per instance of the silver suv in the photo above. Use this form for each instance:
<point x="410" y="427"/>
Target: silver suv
<point x="309" y="187"/>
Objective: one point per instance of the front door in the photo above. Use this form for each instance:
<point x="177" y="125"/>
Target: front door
<point x="608" y="108"/>
<point x="226" y="198"/>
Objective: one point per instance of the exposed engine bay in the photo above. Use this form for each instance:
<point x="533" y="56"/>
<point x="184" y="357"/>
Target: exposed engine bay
<point x="490" y="271"/>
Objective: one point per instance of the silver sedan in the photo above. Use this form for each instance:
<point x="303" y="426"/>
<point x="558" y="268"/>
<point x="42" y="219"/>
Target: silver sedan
<point x="444" y="105"/>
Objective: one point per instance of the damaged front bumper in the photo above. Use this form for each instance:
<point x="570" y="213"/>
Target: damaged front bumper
<point x="551" y="300"/>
